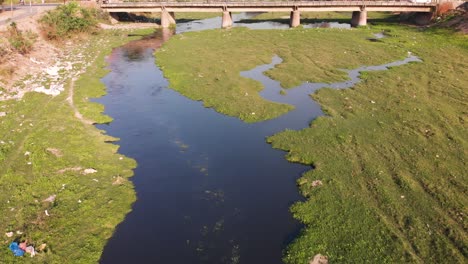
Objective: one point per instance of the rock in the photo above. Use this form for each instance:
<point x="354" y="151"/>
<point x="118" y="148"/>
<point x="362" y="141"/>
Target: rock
<point x="319" y="259"/>
<point x="50" y="199"/>
<point x="89" y="171"/>
<point x="55" y="152"/>
<point x="316" y="183"/>
<point x="118" y="181"/>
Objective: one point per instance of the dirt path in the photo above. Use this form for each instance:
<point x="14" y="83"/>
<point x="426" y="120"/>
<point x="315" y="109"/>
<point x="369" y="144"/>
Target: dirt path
<point x="71" y="93"/>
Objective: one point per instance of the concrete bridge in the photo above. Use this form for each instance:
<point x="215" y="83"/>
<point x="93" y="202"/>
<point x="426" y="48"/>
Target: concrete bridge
<point x="358" y="8"/>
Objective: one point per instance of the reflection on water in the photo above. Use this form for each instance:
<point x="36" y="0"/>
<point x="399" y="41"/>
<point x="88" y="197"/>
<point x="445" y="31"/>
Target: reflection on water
<point x="210" y="190"/>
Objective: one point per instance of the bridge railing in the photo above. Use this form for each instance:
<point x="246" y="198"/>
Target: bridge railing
<point x="257" y="2"/>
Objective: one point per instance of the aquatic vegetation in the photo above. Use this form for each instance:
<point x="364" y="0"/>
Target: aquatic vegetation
<point x="205" y="65"/>
<point x="390" y="156"/>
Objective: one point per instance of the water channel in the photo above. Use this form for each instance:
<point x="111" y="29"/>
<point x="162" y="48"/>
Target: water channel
<point x="210" y="190"/>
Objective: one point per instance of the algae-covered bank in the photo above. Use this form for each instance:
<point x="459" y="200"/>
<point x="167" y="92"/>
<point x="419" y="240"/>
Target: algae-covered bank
<point x="63" y="186"/>
<point x="389" y="177"/>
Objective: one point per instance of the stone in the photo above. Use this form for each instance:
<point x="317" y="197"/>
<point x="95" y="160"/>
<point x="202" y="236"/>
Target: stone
<point x="319" y="259"/>
<point x="89" y="171"/>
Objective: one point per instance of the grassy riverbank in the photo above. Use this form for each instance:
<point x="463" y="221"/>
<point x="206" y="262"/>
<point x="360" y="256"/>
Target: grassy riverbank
<point x="47" y="149"/>
<point x="391" y="155"/>
<point x="209" y="69"/>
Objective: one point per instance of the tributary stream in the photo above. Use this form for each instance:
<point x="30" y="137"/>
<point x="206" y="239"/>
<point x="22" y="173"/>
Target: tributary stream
<point x="209" y="188"/>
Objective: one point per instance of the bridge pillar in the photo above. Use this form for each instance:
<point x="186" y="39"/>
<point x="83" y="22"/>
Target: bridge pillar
<point x="295" y="18"/>
<point x="227" y="19"/>
<point x="359" y="18"/>
<point x="167" y="19"/>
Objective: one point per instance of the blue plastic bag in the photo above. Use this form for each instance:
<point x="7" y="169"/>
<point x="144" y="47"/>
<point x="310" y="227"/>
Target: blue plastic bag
<point x="14" y="247"/>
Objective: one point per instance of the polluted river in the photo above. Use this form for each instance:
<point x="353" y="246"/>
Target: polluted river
<point x="209" y="188"/>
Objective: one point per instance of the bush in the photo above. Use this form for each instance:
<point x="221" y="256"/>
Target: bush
<point x="68" y="19"/>
<point x="22" y="42"/>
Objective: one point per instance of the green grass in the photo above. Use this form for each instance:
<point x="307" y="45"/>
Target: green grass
<point x="74" y="232"/>
<point x="205" y="65"/>
<point x="394" y="171"/>
<point x="391" y="153"/>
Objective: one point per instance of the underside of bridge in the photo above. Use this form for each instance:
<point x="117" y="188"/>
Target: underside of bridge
<point x="358" y="8"/>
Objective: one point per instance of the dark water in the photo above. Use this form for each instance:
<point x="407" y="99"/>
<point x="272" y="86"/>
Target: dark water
<point x="210" y="190"/>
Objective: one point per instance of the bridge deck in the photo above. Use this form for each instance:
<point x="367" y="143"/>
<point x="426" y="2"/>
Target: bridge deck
<point x="216" y="6"/>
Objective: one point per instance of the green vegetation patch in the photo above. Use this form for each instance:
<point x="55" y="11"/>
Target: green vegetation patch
<point x="206" y="65"/>
<point x="45" y="151"/>
<point x="390" y="177"/>
<point x="69" y="19"/>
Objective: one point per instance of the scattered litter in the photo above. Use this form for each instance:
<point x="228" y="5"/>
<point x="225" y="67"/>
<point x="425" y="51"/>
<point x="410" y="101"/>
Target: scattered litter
<point x="50" y="199"/>
<point x="402" y="196"/>
<point x="120" y="158"/>
<point x="23" y="246"/>
<point x="9" y="234"/>
<point x="96" y="180"/>
<point x="2" y="114"/>
<point x="30" y="250"/>
<point x="46" y="213"/>
<point x="29" y="163"/>
<point x="53" y="71"/>
<point x="19" y="232"/>
<point x="253" y="113"/>
<point x="42" y="247"/>
<point x="27" y="153"/>
<point x="317" y="183"/>
<point x="35" y="61"/>
<point x="89" y="171"/>
<point x="17" y="251"/>
<point x="372" y="102"/>
<point x="79" y="201"/>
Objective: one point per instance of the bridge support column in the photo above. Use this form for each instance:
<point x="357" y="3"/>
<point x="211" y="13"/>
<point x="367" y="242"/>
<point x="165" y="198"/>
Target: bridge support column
<point x="359" y="18"/>
<point x="227" y="20"/>
<point x="295" y="18"/>
<point x="167" y="19"/>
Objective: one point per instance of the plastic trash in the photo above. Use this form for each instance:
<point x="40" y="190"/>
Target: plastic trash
<point x="14" y="247"/>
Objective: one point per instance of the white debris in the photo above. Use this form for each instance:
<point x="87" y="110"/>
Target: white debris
<point x="2" y="114"/>
<point x="372" y="102"/>
<point x="79" y="201"/>
<point x="19" y="232"/>
<point x="29" y="163"/>
<point x="96" y="180"/>
<point x="402" y="197"/>
<point x="27" y="153"/>
<point x="46" y="213"/>
<point x="89" y="171"/>
<point x="50" y="199"/>
<point x="9" y="234"/>
<point x="54" y="90"/>
<point x="253" y="113"/>
<point x="53" y="71"/>
<point x="35" y="61"/>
